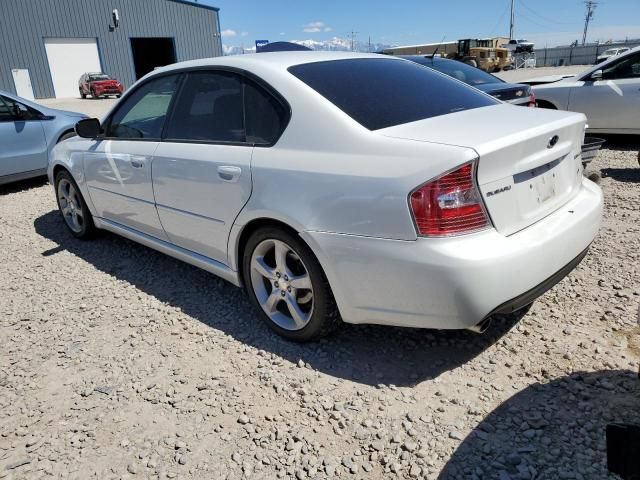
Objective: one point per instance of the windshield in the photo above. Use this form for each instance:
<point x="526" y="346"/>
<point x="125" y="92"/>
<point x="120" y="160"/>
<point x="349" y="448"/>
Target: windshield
<point x="380" y="93"/>
<point x="461" y="71"/>
<point x="99" y="76"/>
<point x="611" y="51"/>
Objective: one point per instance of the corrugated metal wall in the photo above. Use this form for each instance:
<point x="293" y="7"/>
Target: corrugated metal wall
<point x="24" y="24"/>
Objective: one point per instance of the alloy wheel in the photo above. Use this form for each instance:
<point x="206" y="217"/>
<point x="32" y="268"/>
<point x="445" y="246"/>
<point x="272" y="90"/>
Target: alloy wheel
<point x="70" y="205"/>
<point x="282" y="285"/>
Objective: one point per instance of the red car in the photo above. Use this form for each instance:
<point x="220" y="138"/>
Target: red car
<point x="99" y="85"/>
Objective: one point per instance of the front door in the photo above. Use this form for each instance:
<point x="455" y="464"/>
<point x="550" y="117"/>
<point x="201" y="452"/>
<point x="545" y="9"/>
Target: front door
<point x="612" y="103"/>
<point x="118" y="166"/>
<point x="202" y="169"/>
<point x="23" y="145"/>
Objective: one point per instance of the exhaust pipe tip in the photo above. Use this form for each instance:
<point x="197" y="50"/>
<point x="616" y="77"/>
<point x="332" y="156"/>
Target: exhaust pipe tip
<point x="482" y="326"/>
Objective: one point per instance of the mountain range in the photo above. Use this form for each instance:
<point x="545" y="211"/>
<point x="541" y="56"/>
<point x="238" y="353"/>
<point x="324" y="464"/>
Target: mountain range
<point x="334" y="44"/>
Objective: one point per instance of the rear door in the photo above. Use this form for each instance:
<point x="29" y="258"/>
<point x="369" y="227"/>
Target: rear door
<point x="23" y="146"/>
<point x="118" y="166"/>
<point x="202" y="169"/>
<point x="612" y="103"/>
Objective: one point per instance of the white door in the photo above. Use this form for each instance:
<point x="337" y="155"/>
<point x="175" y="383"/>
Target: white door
<point x="118" y="167"/>
<point x="201" y="171"/>
<point x="68" y="59"/>
<point x="22" y="82"/>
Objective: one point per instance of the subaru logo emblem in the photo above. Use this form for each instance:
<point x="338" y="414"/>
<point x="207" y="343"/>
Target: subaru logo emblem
<point x="552" y="141"/>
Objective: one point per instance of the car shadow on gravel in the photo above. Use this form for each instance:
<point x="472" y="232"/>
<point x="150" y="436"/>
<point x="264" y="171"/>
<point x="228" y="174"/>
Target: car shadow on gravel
<point x="626" y="175"/>
<point x="550" y="430"/>
<point x="22" y="185"/>
<point x="620" y="142"/>
<point x="365" y="354"/>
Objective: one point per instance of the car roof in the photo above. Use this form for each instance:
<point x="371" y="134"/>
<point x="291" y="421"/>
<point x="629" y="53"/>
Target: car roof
<point x="278" y="60"/>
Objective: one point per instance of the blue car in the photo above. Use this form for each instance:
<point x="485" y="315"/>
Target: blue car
<point x="514" y="93"/>
<point x="28" y="132"/>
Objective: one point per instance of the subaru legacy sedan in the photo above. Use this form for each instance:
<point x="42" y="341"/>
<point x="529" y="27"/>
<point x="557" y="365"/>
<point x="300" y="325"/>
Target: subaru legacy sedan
<point x="338" y="187"/>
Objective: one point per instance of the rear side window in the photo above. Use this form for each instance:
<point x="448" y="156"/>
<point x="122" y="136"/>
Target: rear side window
<point x="380" y="93"/>
<point x="209" y="108"/>
<point x="143" y="112"/>
<point x="218" y="106"/>
<point x="266" y="117"/>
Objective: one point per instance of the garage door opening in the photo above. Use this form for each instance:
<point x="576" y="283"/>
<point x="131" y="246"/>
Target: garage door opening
<point x="149" y="53"/>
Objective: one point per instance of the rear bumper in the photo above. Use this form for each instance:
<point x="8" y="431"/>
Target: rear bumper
<point x="456" y="282"/>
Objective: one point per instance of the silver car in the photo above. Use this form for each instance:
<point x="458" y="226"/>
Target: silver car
<point x="28" y="132"/>
<point x="608" y="94"/>
<point x="337" y="186"/>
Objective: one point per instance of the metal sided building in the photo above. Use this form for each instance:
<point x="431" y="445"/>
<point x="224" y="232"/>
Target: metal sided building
<point x="46" y="45"/>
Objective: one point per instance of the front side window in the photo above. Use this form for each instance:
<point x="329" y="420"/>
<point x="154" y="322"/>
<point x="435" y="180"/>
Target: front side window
<point x="142" y="114"/>
<point x="9" y="108"/>
<point x="209" y="109"/>
<point x="380" y="93"/>
<point x="6" y="114"/>
<point x="628" y="67"/>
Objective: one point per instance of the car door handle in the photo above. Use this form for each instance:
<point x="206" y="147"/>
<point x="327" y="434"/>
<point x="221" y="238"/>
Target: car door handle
<point x="229" y="174"/>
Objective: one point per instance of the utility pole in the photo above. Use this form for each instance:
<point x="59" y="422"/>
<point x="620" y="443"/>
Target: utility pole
<point x="352" y="34"/>
<point x="591" y="6"/>
<point x="513" y="18"/>
<point x="369" y="50"/>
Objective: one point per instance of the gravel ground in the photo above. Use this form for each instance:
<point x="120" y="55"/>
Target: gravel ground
<point x="120" y="362"/>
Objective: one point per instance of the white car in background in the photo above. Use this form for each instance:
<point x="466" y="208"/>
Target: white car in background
<point x="608" y="94"/>
<point x="338" y="186"/>
<point x="612" y="52"/>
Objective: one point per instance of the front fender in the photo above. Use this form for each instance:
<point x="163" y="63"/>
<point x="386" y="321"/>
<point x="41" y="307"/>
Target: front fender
<point x="69" y="155"/>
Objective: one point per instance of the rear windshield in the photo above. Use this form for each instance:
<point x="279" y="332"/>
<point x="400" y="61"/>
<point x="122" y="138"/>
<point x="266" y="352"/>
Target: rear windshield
<point x="380" y="93"/>
<point x="99" y="76"/>
<point x="458" y="70"/>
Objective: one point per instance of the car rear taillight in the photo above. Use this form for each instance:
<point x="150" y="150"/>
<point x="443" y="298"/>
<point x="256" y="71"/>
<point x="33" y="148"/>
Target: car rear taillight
<point x="532" y="99"/>
<point x="449" y="204"/>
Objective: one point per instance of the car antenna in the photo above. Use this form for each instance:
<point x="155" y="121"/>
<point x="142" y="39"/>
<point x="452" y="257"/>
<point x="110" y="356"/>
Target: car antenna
<point x="438" y="47"/>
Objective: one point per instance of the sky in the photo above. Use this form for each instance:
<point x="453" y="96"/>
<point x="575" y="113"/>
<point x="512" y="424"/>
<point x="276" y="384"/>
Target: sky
<point x="408" y="22"/>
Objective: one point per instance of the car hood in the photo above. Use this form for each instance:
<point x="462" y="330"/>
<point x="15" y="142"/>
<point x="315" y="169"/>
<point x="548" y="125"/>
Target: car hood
<point x="52" y="112"/>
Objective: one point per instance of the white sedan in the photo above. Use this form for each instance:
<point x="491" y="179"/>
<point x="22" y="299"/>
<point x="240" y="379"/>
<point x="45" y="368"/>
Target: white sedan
<point x="608" y="94"/>
<point x="338" y="186"/>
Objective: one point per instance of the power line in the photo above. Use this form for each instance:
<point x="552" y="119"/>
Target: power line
<point x="504" y="12"/>
<point x="542" y="17"/>
<point x="591" y="6"/>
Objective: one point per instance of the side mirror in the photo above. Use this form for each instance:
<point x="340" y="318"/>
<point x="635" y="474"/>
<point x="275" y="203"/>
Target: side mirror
<point x="88" y="128"/>
<point x="597" y="75"/>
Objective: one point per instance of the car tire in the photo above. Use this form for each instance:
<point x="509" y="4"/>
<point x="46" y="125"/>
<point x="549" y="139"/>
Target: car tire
<point x="291" y="294"/>
<point x="73" y="208"/>
<point x="82" y="94"/>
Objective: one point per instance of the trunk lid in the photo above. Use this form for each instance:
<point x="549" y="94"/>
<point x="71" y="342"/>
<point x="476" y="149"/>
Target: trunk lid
<point x="529" y="159"/>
